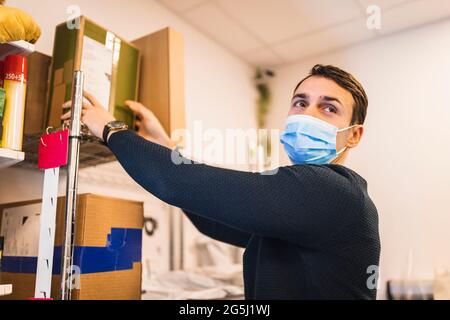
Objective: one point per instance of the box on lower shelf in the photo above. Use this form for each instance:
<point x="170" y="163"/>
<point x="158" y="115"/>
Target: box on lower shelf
<point x="107" y="248"/>
<point x="9" y="157"/>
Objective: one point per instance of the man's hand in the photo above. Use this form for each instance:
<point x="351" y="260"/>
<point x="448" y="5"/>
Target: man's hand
<point x="93" y="115"/>
<point x="96" y="117"/>
<point x="149" y="126"/>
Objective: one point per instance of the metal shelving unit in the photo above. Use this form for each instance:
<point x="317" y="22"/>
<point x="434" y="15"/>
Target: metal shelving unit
<point x="93" y="153"/>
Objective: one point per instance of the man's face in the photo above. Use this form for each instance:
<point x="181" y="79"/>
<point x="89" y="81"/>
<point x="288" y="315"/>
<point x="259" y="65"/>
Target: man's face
<point x="323" y="99"/>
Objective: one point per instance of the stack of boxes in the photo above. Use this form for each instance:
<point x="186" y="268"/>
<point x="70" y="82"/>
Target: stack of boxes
<point x="108" y="244"/>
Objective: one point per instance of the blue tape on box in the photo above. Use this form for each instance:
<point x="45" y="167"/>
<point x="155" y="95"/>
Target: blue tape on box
<point x="122" y="250"/>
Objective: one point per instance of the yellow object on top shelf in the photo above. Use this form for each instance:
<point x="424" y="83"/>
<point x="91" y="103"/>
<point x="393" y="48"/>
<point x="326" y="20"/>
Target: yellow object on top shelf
<point x="16" y="24"/>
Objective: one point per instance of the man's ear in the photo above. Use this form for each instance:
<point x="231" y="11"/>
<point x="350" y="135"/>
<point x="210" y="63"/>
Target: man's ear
<point x="355" y="136"/>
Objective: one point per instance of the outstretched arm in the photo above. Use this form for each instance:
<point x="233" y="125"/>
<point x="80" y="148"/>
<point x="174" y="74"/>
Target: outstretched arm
<point x="296" y="204"/>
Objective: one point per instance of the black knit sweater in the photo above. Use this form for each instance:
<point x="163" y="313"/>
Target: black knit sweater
<point x="310" y="232"/>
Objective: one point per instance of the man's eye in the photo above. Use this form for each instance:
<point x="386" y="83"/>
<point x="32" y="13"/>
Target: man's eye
<point x="330" y="108"/>
<point x="299" y="103"/>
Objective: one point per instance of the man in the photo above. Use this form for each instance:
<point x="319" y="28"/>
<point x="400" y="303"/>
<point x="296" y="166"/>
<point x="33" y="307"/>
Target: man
<point x="310" y="230"/>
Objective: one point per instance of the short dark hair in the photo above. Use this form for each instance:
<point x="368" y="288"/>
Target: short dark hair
<point x="346" y="81"/>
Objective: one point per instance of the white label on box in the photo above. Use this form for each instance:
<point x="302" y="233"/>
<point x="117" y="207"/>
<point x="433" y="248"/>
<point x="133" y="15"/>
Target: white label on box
<point x="20" y="229"/>
<point x="97" y="63"/>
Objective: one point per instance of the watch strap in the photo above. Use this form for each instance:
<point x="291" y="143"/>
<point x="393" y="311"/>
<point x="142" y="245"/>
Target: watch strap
<point x="106" y="130"/>
<point x="110" y="127"/>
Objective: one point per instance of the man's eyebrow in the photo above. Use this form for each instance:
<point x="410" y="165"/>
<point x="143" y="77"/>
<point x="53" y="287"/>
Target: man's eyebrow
<point x="328" y="98"/>
<point x="301" y="96"/>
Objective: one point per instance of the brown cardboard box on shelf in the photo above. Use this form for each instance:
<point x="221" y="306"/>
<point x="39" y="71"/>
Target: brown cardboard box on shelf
<point x="161" y="84"/>
<point x="37" y="92"/>
<point x="110" y="65"/>
<point x="108" y="243"/>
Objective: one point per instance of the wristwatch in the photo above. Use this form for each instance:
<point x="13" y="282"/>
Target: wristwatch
<point x="112" y="127"/>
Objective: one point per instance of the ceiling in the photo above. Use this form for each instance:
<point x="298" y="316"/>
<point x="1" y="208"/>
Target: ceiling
<point x="276" y="32"/>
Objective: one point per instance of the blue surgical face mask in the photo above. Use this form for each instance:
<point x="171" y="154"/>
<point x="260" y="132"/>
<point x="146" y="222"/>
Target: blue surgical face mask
<point x="309" y="140"/>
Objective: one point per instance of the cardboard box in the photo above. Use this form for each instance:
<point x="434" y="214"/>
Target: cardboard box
<point x="110" y="65"/>
<point x="37" y="92"/>
<point x="108" y="244"/>
<point x="161" y="84"/>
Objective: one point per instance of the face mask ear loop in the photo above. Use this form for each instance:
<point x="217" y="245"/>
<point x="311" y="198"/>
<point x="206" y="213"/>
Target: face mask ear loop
<point x="338" y="153"/>
<point x="342" y="151"/>
<point x="344" y="129"/>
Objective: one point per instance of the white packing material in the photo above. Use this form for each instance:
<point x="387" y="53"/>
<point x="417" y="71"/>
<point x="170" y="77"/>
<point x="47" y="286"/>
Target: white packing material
<point x="182" y="285"/>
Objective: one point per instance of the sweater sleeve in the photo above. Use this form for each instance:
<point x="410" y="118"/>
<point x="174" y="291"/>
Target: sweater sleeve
<point x="219" y="231"/>
<point x="302" y="204"/>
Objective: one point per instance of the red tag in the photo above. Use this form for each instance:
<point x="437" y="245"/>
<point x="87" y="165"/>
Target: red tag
<point x="53" y="150"/>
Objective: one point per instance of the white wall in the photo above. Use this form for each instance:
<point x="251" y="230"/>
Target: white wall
<point x="219" y="92"/>
<point x="405" y="153"/>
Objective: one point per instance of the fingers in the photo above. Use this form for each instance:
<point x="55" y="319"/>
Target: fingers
<point x="87" y="106"/>
<point x="136" y="107"/>
<point x="68" y="105"/>
<point x="94" y="102"/>
<point x="133" y="105"/>
<point x="137" y="124"/>
<point x="66" y="116"/>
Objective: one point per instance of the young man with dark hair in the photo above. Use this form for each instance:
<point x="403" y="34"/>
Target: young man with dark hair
<point x="310" y="230"/>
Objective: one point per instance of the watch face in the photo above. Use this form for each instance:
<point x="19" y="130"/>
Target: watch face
<point x="116" y="124"/>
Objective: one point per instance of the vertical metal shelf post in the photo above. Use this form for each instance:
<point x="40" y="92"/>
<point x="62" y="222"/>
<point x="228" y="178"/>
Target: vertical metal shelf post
<point x="67" y="268"/>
